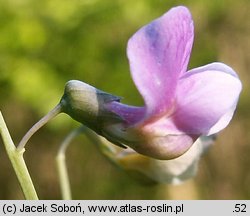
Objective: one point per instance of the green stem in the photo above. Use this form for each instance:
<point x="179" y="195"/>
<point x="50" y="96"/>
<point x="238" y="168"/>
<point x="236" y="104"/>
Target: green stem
<point x="63" y="177"/>
<point x="61" y="164"/>
<point x="18" y="163"/>
<point x="54" y="112"/>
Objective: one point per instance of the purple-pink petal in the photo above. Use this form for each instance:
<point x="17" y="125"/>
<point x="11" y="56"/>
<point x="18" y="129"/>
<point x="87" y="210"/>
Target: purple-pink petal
<point x="130" y="114"/>
<point x="206" y="99"/>
<point x="158" y="54"/>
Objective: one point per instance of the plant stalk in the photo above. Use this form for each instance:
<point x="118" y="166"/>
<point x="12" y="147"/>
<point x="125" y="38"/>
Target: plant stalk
<point x="54" y="112"/>
<point x="61" y="164"/>
<point x="18" y="163"/>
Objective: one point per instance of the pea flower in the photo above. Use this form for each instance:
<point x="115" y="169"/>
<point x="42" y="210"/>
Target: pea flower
<point x="182" y="108"/>
<point x="148" y="170"/>
<point x="180" y="105"/>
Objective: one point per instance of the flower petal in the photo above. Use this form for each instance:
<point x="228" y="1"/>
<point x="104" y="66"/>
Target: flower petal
<point x="158" y="53"/>
<point x="177" y="170"/>
<point x="206" y="99"/>
<point x="145" y="168"/>
<point x="130" y="114"/>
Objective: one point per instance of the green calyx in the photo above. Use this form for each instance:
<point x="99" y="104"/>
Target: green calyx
<point x="86" y="104"/>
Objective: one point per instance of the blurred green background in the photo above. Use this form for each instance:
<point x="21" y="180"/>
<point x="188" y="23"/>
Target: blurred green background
<point x="43" y="44"/>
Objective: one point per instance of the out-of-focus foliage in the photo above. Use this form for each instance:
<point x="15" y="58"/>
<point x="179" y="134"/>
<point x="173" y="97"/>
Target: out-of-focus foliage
<point x="43" y="44"/>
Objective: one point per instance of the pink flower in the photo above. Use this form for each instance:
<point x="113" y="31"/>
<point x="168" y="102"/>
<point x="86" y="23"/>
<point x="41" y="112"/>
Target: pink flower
<point x="180" y="105"/>
<point x="148" y="170"/>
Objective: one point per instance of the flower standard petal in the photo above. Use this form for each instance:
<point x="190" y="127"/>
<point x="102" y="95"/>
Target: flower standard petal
<point x="158" y="54"/>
